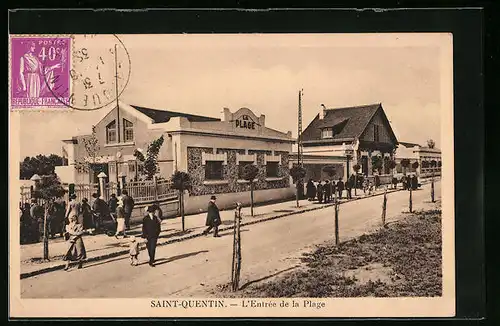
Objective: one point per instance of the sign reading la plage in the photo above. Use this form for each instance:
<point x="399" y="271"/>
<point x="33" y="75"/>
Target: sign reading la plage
<point x="245" y="122"/>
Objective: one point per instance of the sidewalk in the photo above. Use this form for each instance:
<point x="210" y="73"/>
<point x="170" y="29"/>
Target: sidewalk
<point x="102" y="246"/>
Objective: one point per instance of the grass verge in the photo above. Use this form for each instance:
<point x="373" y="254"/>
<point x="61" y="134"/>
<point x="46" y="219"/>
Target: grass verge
<point x="402" y="260"/>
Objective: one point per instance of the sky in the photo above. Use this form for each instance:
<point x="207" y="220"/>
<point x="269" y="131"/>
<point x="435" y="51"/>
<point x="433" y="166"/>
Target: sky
<point x="202" y="74"/>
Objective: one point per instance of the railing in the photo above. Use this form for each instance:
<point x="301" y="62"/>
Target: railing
<point x="141" y="191"/>
<point x="148" y="191"/>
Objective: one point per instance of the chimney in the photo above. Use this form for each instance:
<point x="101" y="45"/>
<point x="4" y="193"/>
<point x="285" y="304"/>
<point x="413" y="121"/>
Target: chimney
<point x="226" y="114"/>
<point x="322" y="112"/>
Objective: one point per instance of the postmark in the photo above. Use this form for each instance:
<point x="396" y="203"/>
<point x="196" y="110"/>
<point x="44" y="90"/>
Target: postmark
<point x="99" y="74"/>
<point x="39" y="65"/>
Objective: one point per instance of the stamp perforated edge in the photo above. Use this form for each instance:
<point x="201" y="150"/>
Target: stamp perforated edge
<point x="29" y="109"/>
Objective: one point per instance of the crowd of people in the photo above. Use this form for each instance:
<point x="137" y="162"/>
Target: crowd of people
<point x="325" y="190"/>
<point x="81" y="218"/>
<point x="94" y="217"/>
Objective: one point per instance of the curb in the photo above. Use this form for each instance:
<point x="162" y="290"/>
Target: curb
<point x="192" y="236"/>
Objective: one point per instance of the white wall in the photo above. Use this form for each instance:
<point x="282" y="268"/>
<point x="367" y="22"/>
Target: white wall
<point x="198" y="204"/>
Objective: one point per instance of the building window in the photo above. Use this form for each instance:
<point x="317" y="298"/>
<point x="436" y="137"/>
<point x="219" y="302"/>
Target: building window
<point x="128" y="131"/>
<point x="327" y="133"/>
<point x="272" y="169"/>
<point x="240" y="169"/>
<point x="213" y="170"/>
<point x="376" y="133"/>
<point x="111" y="132"/>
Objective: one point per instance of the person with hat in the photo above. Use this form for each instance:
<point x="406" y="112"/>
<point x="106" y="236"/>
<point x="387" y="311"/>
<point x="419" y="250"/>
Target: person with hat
<point x="151" y="228"/>
<point x="120" y="219"/>
<point x="213" y="218"/>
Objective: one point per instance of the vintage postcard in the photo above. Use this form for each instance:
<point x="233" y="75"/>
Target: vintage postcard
<point x="248" y="175"/>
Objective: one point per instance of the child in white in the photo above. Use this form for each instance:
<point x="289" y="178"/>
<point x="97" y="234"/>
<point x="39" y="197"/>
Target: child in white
<point x="134" y="250"/>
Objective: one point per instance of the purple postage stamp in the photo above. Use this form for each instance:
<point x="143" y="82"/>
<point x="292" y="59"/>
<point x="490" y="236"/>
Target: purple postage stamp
<point x="40" y="68"/>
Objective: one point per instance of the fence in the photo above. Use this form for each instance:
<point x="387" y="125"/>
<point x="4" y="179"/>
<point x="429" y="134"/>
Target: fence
<point x="141" y="191"/>
<point x="148" y="191"/>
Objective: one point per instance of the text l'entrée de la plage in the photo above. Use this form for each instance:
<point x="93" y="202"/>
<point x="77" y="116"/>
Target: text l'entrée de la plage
<point x="244" y="303"/>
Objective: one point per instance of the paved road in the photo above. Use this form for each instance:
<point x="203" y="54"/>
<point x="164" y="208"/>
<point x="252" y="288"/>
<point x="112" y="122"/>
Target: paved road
<point x="194" y="267"/>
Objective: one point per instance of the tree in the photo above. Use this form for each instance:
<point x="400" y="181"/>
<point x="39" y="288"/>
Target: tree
<point x="181" y="181"/>
<point x="392" y="165"/>
<point x="49" y="188"/>
<point x="377" y="163"/>
<point x="40" y="164"/>
<point x="415" y="165"/>
<point x="405" y="163"/>
<point x="331" y="170"/>
<point x="298" y="173"/>
<point x="150" y="160"/>
<point x="92" y="148"/>
<point x="431" y="143"/>
<point x="356" y="169"/>
<point x="249" y="173"/>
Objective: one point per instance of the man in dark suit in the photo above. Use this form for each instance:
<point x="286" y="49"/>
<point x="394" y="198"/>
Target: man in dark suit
<point x="340" y="187"/>
<point x="151" y="228"/>
<point x="128" y="206"/>
<point x="213" y="217"/>
<point x="328" y="191"/>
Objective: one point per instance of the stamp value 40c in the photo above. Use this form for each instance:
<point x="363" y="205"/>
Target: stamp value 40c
<point x="38" y="67"/>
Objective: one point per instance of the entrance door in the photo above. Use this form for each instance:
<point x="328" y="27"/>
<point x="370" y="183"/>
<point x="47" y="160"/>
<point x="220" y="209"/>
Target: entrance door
<point x="364" y="164"/>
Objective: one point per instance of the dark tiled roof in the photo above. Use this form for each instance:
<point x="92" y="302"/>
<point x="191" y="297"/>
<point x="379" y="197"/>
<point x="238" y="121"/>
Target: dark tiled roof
<point x="408" y="145"/>
<point x="355" y="118"/>
<point x="159" y="116"/>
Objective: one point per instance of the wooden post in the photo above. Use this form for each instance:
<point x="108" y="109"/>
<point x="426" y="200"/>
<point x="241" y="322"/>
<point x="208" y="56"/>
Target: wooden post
<point x="236" y="266"/>
<point x="45" y="233"/>
<point x="181" y="208"/>
<point x="251" y="198"/>
<point x="297" y="193"/>
<point x="384" y="207"/>
<point x="432" y="188"/>
<point x="411" y="204"/>
<point x="336" y="222"/>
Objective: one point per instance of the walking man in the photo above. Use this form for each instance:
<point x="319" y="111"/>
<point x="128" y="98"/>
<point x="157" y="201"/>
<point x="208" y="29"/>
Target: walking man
<point x="320" y="192"/>
<point x="151" y="228"/>
<point x="128" y="206"/>
<point x="213" y="218"/>
<point x="340" y="187"/>
<point x="328" y="191"/>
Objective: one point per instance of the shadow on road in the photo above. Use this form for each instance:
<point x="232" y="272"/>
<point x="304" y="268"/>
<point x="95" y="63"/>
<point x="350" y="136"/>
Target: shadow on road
<point x="162" y="261"/>
<point x="266" y="277"/>
<point x="103" y="262"/>
<point x="175" y="234"/>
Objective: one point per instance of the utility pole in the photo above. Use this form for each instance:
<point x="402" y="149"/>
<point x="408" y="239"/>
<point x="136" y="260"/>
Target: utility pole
<point x="300" y="160"/>
<point x="118" y="190"/>
<point x="117" y="104"/>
